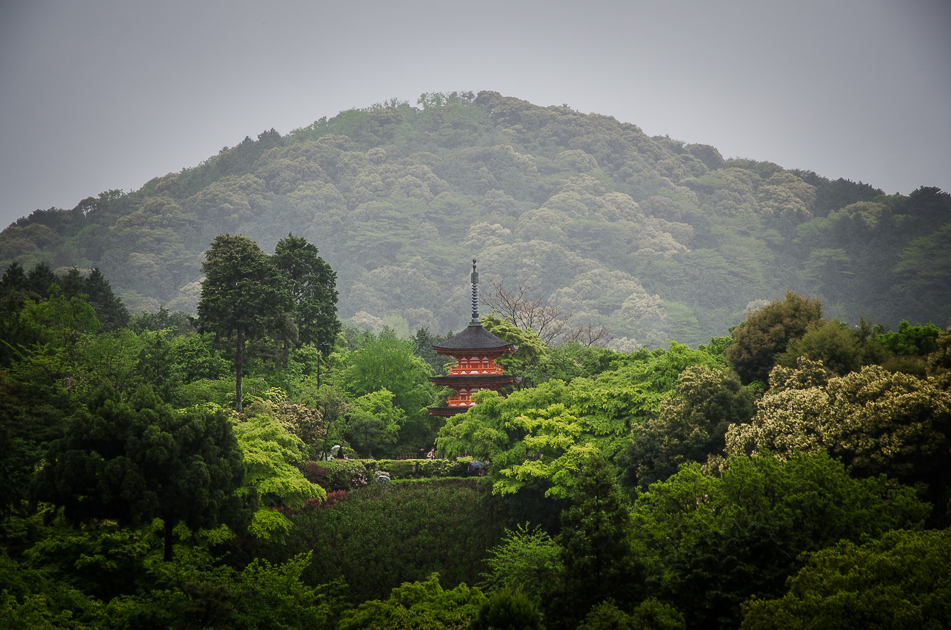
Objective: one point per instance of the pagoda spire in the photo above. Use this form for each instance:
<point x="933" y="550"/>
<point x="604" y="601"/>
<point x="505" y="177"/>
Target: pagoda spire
<point x="475" y="296"/>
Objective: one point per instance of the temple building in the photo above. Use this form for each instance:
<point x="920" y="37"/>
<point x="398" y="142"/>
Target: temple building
<point x="476" y="351"/>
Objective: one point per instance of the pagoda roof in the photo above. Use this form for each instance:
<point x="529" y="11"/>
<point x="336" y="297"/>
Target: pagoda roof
<point x="475" y="337"/>
<point x="474" y="379"/>
<point x="447" y="411"/>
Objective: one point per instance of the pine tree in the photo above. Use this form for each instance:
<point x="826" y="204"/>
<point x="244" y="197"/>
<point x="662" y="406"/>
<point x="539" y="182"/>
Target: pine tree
<point x="244" y="296"/>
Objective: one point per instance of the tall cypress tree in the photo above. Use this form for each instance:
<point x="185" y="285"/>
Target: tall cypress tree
<point x="599" y="562"/>
<point x="110" y="311"/>
<point x="244" y="296"/>
<point x="313" y="286"/>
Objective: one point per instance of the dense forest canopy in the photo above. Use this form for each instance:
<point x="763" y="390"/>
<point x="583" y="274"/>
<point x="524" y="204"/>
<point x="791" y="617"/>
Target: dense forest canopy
<point x="254" y="462"/>
<point x="649" y="237"/>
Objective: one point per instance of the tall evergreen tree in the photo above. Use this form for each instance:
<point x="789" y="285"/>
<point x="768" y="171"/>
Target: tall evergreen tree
<point x="598" y="559"/>
<point x="243" y="297"/>
<point x="110" y="311"/>
<point x="313" y="286"/>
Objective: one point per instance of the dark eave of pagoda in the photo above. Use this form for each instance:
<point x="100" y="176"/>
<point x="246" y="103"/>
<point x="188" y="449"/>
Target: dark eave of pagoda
<point x="474" y="337"/>
<point x="447" y="411"/>
<point x="480" y="380"/>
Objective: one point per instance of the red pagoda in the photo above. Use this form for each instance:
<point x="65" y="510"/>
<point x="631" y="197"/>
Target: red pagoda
<point x="475" y="350"/>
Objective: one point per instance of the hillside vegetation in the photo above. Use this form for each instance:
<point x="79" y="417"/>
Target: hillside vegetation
<point x="650" y="237"/>
<point x="247" y="468"/>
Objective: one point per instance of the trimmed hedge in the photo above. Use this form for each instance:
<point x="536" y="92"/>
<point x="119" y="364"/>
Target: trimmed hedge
<point x="339" y="474"/>
<point x="385" y="534"/>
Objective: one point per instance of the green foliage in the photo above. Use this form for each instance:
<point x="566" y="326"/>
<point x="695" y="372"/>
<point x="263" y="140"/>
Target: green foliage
<point x="527" y="559"/>
<point x="25" y="424"/>
<point x="711" y="543"/>
<point x="313" y="286"/>
<point x="766" y="333"/>
<point x="176" y="323"/>
<point x="110" y="311"/>
<point x="243" y="297"/>
<point x="335" y="475"/>
<point x="508" y="609"/>
<point x="651" y="614"/>
<point x="195" y="591"/>
<point x="386" y="534"/>
<point x="690" y="427"/>
<point x="104" y="561"/>
<point x="531" y="348"/>
<point x="838" y="347"/>
<point x="902" y="580"/>
<point x="45" y="336"/>
<point x="374" y="422"/>
<point x="386" y="363"/>
<point x="32" y="612"/>
<point x="424" y="349"/>
<point x="269" y="596"/>
<point x="595" y="544"/>
<point x="877" y="422"/>
<point x="42" y="597"/>
<point x="572" y="360"/>
<point x="539" y="437"/>
<point x="138" y="460"/>
<point x="914" y="340"/>
<point x="417" y="605"/>
<point x="194" y="360"/>
<point x="271" y="456"/>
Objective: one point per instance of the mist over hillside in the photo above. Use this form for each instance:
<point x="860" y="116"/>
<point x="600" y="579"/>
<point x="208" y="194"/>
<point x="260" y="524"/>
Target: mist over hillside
<point x="650" y="237"/>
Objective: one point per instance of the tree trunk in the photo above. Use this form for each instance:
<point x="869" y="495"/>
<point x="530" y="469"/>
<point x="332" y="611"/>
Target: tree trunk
<point x="239" y="366"/>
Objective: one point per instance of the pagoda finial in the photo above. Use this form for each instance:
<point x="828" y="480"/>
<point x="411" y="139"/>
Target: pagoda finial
<point x="475" y="295"/>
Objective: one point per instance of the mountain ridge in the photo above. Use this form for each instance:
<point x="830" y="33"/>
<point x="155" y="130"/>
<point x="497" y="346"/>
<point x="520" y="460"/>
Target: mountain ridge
<point x="651" y="237"/>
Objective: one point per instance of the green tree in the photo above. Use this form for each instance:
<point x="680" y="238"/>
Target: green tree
<point x="374" y="422"/>
<point x="712" y="543"/>
<point x="110" y="311"/>
<point x="766" y="333"/>
<point x="417" y="605"/>
<point x="651" y="614"/>
<point x="193" y="359"/>
<point x="243" y="297"/>
<point x="386" y="362"/>
<point x="531" y="348"/>
<point x="902" y="580"/>
<point x="269" y="596"/>
<point x="596" y="553"/>
<point x="911" y="340"/>
<point x="526" y="559"/>
<point x="876" y="421"/>
<point x="272" y="455"/>
<point x="313" y="286"/>
<point x="690" y="427"/>
<point x="508" y="609"/>
<point x="424" y="349"/>
<point x="538" y="437"/>
<point x="138" y="460"/>
<point x="573" y="360"/>
<point x="838" y="347"/>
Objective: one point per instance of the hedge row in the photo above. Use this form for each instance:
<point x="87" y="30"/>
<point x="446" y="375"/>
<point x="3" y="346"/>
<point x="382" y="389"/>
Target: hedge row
<point x="383" y="535"/>
<point x="357" y="473"/>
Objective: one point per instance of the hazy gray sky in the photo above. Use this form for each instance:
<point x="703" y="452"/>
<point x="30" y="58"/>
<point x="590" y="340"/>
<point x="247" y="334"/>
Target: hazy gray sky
<point x="100" y="94"/>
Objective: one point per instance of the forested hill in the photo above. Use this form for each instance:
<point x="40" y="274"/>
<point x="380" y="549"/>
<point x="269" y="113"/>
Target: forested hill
<point x="651" y="237"/>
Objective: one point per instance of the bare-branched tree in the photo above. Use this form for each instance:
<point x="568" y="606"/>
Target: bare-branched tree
<point x="546" y="321"/>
